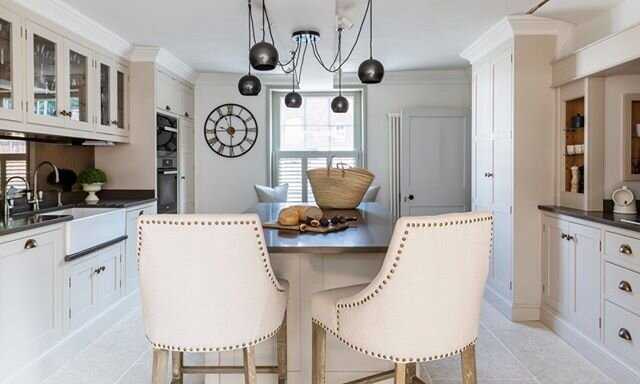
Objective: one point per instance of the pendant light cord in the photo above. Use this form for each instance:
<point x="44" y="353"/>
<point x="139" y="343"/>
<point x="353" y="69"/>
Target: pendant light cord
<point x="264" y="13"/>
<point x="340" y="58"/>
<point x="250" y="23"/>
<point x="370" y="29"/>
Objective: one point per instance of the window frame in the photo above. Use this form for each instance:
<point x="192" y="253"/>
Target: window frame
<point x="273" y="139"/>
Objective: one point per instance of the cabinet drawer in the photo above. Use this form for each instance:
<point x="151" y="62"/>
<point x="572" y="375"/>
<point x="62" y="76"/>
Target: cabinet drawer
<point x="134" y="213"/>
<point x="619" y="324"/>
<point x="622" y="248"/>
<point x="623" y="286"/>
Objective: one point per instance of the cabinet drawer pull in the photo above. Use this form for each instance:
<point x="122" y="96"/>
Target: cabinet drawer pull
<point x="31" y="243"/>
<point x="168" y="108"/>
<point x="625" y="286"/>
<point x="624" y="334"/>
<point x="625" y="249"/>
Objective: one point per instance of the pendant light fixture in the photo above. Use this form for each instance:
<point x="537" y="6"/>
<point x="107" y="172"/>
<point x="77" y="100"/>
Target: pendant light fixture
<point x="371" y="71"/>
<point x="249" y="85"/>
<point x="293" y="99"/>
<point x="340" y="104"/>
<point x="264" y="55"/>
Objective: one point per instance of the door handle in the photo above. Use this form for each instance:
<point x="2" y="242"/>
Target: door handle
<point x="625" y="249"/>
<point x="625" y="286"/>
<point x="31" y="243"/>
<point x="408" y="197"/>
<point x="488" y="174"/>
<point x="624" y="333"/>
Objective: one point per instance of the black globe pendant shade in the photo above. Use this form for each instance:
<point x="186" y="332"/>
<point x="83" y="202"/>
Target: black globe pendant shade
<point x="263" y="56"/>
<point x="371" y="71"/>
<point x="249" y="85"/>
<point x="340" y="104"/>
<point x="293" y="100"/>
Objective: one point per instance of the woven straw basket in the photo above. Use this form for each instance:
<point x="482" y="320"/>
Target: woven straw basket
<point x="340" y="187"/>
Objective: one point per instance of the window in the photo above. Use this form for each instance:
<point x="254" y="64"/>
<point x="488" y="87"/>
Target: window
<point x="13" y="162"/>
<point x="307" y="137"/>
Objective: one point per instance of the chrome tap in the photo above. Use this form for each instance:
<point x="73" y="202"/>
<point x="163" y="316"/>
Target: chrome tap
<point x="37" y="195"/>
<point x="8" y="201"/>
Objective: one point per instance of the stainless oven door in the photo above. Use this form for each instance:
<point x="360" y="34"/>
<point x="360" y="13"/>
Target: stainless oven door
<point x="167" y="190"/>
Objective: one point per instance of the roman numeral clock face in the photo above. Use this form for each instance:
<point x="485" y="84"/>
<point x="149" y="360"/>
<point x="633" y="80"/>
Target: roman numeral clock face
<point x="231" y="130"/>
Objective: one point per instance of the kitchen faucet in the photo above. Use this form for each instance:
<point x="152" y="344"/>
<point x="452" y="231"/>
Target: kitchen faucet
<point x="8" y="202"/>
<point x="37" y="195"/>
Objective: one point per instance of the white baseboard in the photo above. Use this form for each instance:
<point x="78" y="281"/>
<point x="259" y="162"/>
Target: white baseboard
<point x="72" y="344"/>
<point x="619" y="371"/>
<point x="514" y="312"/>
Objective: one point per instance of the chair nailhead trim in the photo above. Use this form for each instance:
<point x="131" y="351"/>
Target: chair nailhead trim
<point x="256" y="228"/>
<point x="390" y="357"/>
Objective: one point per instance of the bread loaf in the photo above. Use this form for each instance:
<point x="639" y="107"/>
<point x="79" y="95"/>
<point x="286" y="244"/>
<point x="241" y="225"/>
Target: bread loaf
<point x="298" y="213"/>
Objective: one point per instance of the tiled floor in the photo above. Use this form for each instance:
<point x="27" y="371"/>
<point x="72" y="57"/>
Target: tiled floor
<point x="507" y="353"/>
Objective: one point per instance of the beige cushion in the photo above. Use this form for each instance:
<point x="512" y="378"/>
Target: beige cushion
<point x="323" y="304"/>
<point x="276" y="194"/>
<point x="372" y="194"/>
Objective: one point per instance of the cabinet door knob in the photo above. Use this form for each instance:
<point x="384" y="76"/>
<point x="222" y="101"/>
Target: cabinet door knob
<point x="624" y="333"/>
<point x="63" y="113"/>
<point x="563" y="236"/>
<point x="141" y="212"/>
<point x="97" y="271"/>
<point x="625" y="286"/>
<point x="69" y="114"/>
<point x="488" y="174"/>
<point x="102" y="268"/>
<point x="570" y="238"/>
<point x="168" y="108"/>
<point x="31" y="243"/>
<point x="625" y="249"/>
<point x="186" y="114"/>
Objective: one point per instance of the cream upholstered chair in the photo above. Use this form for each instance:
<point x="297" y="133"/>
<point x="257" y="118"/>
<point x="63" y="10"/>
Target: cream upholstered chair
<point x="423" y="305"/>
<point x="207" y="285"/>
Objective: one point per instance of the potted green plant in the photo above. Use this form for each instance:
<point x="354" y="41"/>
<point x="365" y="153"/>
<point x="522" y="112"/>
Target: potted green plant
<point x="92" y="180"/>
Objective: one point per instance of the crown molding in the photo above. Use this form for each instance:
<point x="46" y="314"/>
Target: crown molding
<point x="425" y="77"/>
<point x="509" y="27"/>
<point x="165" y="59"/>
<point x="71" y="19"/>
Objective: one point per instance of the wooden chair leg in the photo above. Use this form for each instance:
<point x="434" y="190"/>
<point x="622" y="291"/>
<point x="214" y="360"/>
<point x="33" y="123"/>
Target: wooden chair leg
<point x="160" y="365"/>
<point x="249" y="355"/>
<point x="410" y="372"/>
<point x="319" y="350"/>
<point x="177" y="362"/>
<point x="401" y="374"/>
<point x="282" y="351"/>
<point x="469" y="375"/>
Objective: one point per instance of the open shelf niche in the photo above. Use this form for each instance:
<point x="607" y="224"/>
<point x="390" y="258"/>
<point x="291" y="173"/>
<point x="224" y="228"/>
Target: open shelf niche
<point x="631" y="118"/>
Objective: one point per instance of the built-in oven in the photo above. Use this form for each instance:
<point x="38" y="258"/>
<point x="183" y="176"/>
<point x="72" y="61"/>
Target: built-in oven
<point x="167" y="194"/>
<point x="167" y="136"/>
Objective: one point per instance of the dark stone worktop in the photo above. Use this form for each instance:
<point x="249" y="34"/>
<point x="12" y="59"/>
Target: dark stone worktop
<point x="606" y="218"/>
<point x="369" y="234"/>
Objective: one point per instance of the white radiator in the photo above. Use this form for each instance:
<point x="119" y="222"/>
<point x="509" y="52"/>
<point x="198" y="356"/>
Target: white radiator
<point x="394" y="163"/>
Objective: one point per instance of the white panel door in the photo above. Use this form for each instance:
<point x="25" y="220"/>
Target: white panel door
<point x="83" y="304"/>
<point x="11" y="66"/>
<point x="186" y="167"/>
<point x="584" y="272"/>
<point x="185" y="101"/>
<point x="108" y="261"/>
<point x="166" y="93"/>
<point x="483" y="143"/>
<point x="555" y="265"/>
<point x="502" y="69"/>
<point x="435" y="163"/>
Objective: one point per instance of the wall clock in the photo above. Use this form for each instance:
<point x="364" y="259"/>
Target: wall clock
<point x="231" y="130"/>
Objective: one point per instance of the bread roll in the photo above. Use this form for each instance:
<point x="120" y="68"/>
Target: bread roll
<point x="289" y="216"/>
<point x="298" y="213"/>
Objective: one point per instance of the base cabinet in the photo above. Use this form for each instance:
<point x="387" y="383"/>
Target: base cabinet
<point x="30" y="296"/>
<point x="94" y="284"/>
<point x="130" y="263"/>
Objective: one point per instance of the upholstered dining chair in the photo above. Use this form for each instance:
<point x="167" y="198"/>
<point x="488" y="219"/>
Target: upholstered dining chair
<point x="207" y="286"/>
<point x="423" y="305"/>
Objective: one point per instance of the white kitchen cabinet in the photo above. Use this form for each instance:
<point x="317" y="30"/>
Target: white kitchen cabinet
<point x="112" y="96"/>
<point x="185" y="166"/>
<point x="11" y="66"/>
<point x="77" y="86"/>
<point x="571" y="273"/>
<point x="31" y="296"/>
<point x="93" y="284"/>
<point x="185" y="100"/>
<point x="130" y="264"/>
<point x="166" y="92"/>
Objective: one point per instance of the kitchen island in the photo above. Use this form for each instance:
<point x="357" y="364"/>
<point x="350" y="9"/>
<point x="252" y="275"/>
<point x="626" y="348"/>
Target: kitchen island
<point x="313" y="262"/>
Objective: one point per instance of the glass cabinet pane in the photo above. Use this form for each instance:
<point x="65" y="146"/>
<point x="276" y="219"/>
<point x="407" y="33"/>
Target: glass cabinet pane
<point x="78" y="76"/>
<point x="105" y="95"/>
<point x="44" y="77"/>
<point x="6" y="77"/>
<point x="121" y="100"/>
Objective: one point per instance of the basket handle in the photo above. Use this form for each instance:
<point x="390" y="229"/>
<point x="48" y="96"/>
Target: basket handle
<point x="342" y="166"/>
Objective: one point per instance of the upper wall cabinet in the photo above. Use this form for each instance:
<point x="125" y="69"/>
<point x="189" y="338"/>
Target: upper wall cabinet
<point x="10" y="65"/>
<point x="112" y="97"/>
<point x="78" y="86"/>
<point x="174" y="97"/>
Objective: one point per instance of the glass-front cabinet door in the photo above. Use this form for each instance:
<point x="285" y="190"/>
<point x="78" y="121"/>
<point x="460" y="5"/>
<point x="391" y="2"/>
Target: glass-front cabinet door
<point x="113" y="94"/>
<point x="10" y="66"/>
<point x="45" y="65"/>
<point x="78" y="83"/>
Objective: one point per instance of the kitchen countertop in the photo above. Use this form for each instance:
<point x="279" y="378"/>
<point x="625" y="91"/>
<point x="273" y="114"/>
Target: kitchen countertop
<point x="30" y="220"/>
<point x="369" y="234"/>
<point x="606" y="218"/>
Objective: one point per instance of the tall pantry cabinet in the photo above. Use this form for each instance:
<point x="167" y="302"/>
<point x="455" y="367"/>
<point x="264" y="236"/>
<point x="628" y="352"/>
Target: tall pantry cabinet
<point x="513" y="153"/>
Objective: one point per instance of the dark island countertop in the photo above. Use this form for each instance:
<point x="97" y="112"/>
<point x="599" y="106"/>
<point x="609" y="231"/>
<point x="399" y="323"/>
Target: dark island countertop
<point x="601" y="217"/>
<point x="369" y="234"/>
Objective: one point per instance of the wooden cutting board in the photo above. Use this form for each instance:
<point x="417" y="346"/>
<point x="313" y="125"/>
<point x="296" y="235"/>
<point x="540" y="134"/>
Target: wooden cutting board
<point x="320" y="229"/>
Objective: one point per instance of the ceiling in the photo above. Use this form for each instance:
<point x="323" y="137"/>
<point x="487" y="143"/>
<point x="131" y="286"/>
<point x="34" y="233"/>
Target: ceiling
<point x="211" y="35"/>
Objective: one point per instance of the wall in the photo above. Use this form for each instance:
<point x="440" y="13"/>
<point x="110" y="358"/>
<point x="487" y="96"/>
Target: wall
<point x="226" y="185"/>
<point x="614" y="88"/>
<point x="73" y="157"/>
